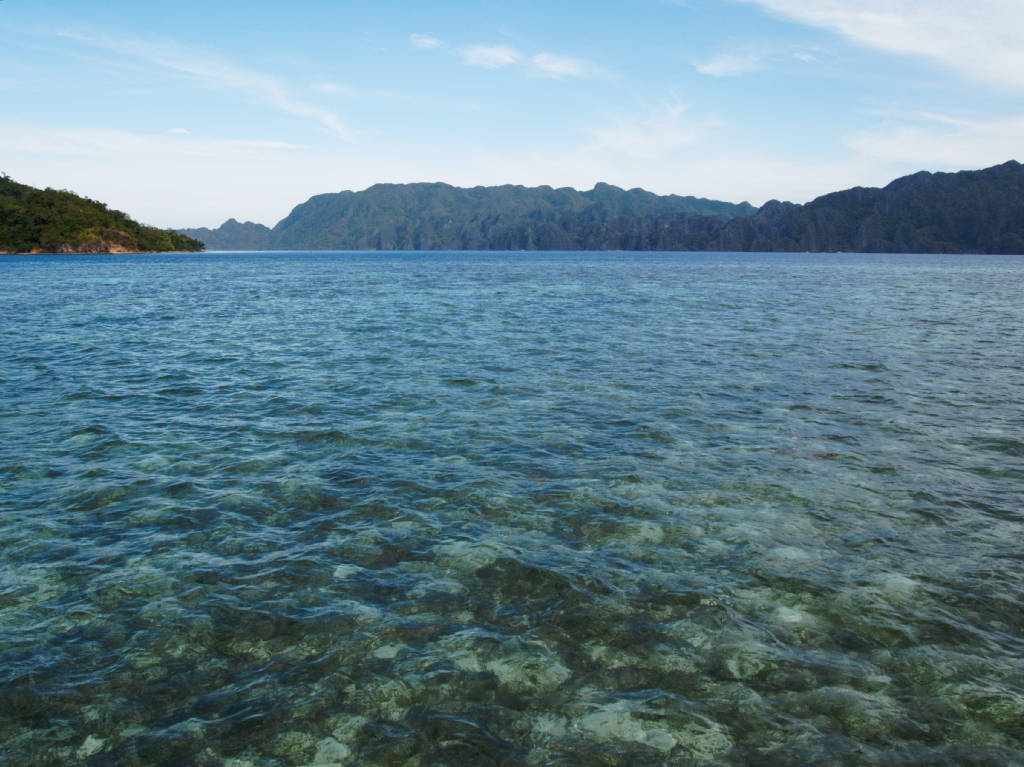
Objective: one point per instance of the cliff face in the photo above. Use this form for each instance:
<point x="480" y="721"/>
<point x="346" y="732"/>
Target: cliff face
<point x="439" y="217"/>
<point x="966" y="212"/>
<point x="443" y="217"/>
<point x="51" y="221"/>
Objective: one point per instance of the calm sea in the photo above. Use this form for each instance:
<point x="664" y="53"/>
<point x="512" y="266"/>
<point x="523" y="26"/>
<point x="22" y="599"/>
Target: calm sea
<point x="511" y="509"/>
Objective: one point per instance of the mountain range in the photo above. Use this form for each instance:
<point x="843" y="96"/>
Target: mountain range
<point x="442" y="217"/>
<point x="979" y="211"/>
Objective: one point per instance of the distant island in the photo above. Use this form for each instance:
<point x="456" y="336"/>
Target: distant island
<point x="53" y="221"/>
<point x="966" y="212"/>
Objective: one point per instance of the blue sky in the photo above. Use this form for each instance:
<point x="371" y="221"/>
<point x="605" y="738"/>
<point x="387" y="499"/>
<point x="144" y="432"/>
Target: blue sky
<point x="187" y="113"/>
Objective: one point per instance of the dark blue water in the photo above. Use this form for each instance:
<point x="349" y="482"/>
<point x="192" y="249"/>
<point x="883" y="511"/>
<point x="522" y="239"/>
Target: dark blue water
<point x="502" y="509"/>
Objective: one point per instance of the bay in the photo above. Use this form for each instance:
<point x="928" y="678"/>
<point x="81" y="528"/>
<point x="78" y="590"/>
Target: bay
<point x="511" y="508"/>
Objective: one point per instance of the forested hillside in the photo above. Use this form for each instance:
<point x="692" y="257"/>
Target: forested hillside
<point x="443" y="217"/>
<point x="52" y="221"/>
<point x="966" y="212"/>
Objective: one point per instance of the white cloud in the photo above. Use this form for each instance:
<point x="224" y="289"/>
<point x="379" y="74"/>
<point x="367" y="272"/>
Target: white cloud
<point x="116" y="143"/>
<point x="426" y="42"/>
<point x="650" y="137"/>
<point x="942" y="141"/>
<point x="981" y="38"/>
<point x="490" y="56"/>
<point x="215" y="72"/>
<point x="552" y="65"/>
<point x="730" y="64"/>
<point x="334" y="89"/>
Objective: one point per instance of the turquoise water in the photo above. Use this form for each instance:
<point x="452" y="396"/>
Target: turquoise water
<point x="504" y="509"/>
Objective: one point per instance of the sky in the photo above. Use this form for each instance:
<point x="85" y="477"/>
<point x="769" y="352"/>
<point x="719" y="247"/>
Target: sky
<point x="187" y="113"/>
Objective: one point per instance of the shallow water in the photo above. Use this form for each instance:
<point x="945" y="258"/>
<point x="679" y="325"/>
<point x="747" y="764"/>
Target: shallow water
<point x="538" y="509"/>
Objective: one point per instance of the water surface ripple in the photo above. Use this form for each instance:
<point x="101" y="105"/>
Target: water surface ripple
<point x="538" y="509"/>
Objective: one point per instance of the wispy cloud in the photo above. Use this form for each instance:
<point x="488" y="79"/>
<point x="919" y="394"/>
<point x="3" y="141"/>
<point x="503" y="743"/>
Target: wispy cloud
<point x="730" y="65"/>
<point x="334" y="89"/>
<point x="981" y="38"/>
<point x="425" y="42"/>
<point x="177" y="142"/>
<point x="215" y="72"/>
<point x="660" y="132"/>
<point x="935" y="140"/>
<point x="491" y="56"/>
<point x="753" y="59"/>
<point x="552" y="65"/>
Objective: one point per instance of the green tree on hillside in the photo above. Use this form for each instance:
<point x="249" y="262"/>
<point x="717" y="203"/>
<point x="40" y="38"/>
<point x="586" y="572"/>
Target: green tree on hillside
<point x="59" y="221"/>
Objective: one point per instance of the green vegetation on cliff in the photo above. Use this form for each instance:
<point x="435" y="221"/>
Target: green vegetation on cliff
<point x="979" y="211"/>
<point x="967" y="212"/>
<point x="443" y="217"/>
<point x="439" y="216"/>
<point x="52" y="221"/>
